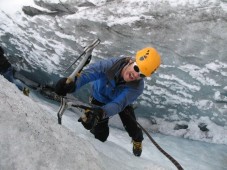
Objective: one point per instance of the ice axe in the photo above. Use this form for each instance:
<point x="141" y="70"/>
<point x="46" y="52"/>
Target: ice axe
<point x="86" y="59"/>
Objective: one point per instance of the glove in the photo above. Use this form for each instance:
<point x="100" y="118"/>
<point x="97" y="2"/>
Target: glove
<point x="91" y="117"/>
<point x="62" y="88"/>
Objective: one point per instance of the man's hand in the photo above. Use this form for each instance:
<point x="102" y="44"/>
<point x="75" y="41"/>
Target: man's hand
<point x="62" y="88"/>
<point x="91" y="117"/>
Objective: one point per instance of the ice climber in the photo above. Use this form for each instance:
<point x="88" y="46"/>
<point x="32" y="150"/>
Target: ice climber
<point x="116" y="84"/>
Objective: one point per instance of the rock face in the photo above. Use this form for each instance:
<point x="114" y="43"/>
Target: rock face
<point x="203" y="127"/>
<point x="67" y="8"/>
<point x="180" y="126"/>
<point x="31" y="11"/>
<point x="54" y="9"/>
<point x="86" y="4"/>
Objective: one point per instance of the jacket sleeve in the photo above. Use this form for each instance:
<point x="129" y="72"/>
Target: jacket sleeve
<point x="94" y="72"/>
<point x="127" y="97"/>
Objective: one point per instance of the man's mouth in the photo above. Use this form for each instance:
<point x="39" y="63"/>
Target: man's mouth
<point x="131" y="76"/>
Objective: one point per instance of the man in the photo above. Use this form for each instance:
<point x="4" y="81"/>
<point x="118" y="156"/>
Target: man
<point x="117" y="83"/>
<point x="8" y="72"/>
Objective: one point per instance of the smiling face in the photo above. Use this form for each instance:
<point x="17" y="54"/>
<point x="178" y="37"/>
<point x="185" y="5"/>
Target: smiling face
<point x="129" y="74"/>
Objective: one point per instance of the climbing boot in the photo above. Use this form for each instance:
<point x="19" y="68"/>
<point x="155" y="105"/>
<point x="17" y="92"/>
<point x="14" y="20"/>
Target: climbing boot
<point x="137" y="148"/>
<point x="26" y="91"/>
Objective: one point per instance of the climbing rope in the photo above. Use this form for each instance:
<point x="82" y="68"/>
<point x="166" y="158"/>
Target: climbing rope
<point x="179" y="167"/>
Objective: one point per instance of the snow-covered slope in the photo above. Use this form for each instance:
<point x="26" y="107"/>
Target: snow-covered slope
<point x="30" y="138"/>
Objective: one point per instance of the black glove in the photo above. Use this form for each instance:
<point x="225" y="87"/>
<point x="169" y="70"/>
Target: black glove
<point x="62" y="88"/>
<point x="91" y="117"/>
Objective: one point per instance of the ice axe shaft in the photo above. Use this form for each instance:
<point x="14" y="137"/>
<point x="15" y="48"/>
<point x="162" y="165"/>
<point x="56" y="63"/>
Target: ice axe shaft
<point x="87" y="52"/>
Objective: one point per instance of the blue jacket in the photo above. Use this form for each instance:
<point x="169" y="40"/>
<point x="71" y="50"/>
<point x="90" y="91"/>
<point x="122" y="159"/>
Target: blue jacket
<point x="107" y="88"/>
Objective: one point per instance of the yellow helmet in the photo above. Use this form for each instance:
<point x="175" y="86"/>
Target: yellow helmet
<point x="148" y="60"/>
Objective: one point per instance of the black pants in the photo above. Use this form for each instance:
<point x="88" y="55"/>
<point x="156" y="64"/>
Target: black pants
<point x="101" y="130"/>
